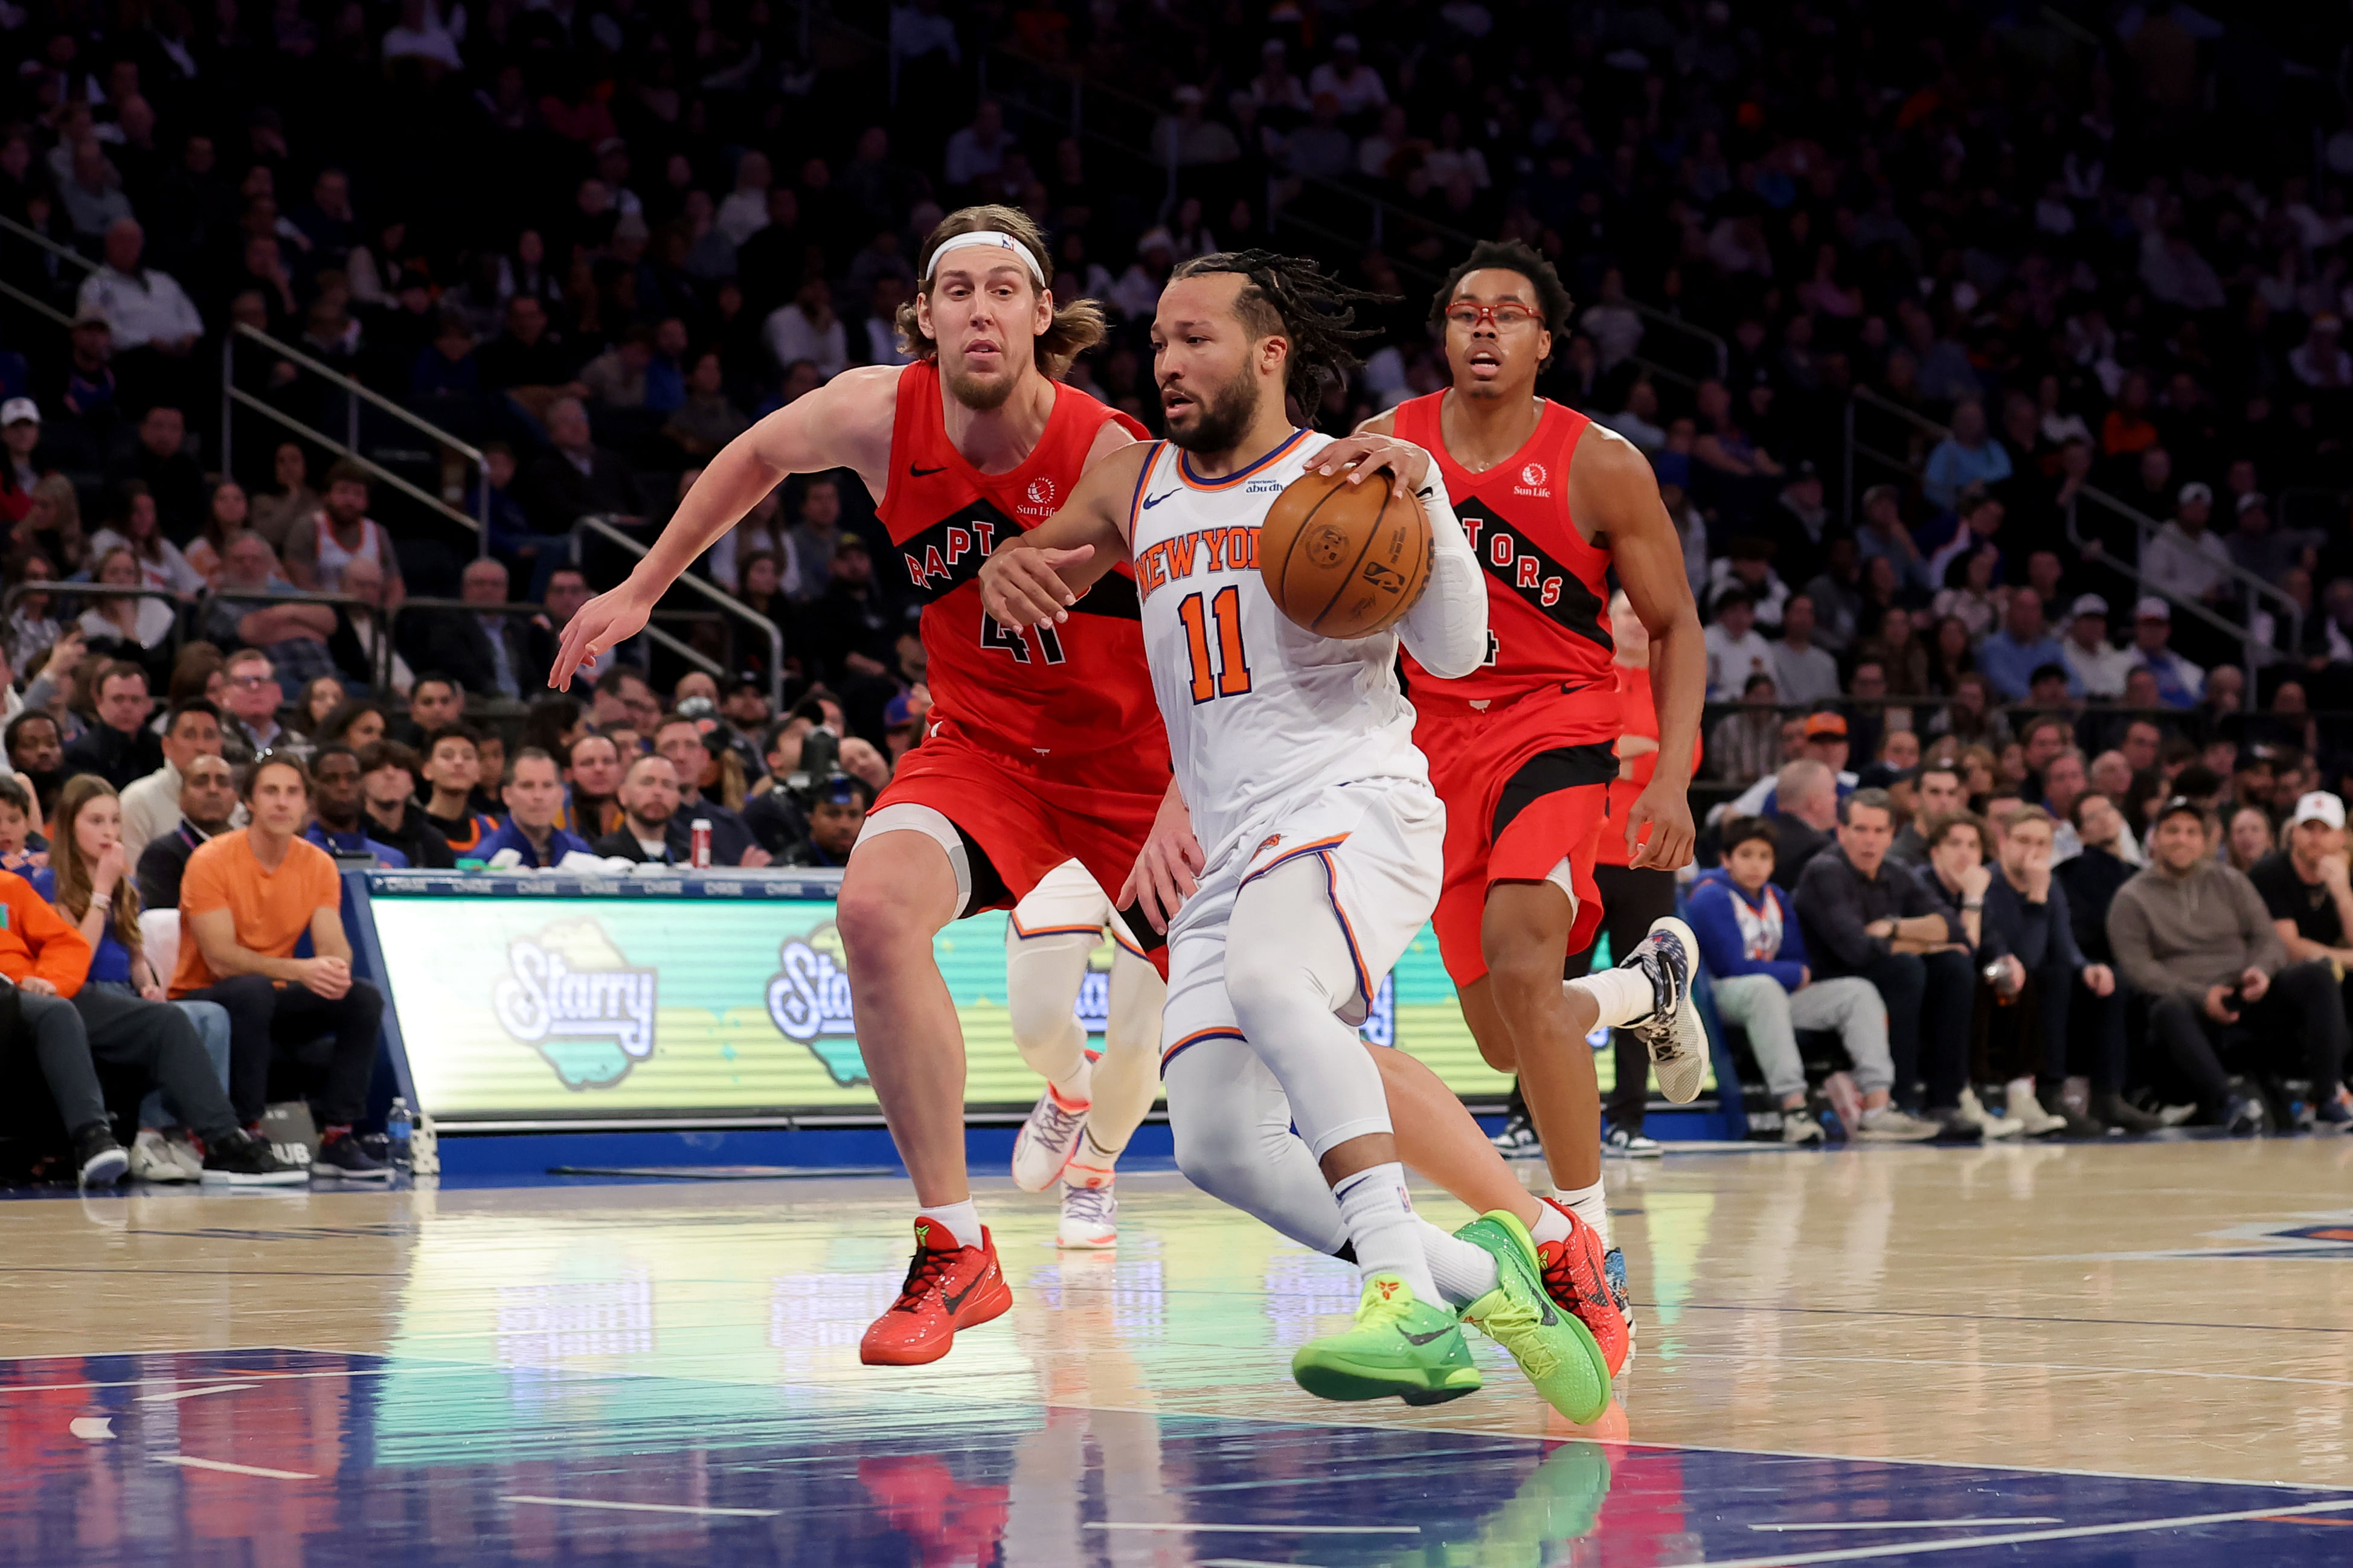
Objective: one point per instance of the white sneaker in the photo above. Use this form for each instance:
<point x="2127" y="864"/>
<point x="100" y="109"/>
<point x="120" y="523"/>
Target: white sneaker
<point x="1090" y="1218"/>
<point x="1972" y="1112"/>
<point x="152" y="1159"/>
<point x="1043" y="1145"/>
<point x="1888" y="1125"/>
<point x="1089" y="1166"/>
<point x="2019" y="1105"/>
<point x="1799" y="1126"/>
<point x="184" y="1150"/>
<point x="1676" y="1038"/>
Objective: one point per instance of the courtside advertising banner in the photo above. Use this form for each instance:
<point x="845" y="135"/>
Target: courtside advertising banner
<point x="558" y="999"/>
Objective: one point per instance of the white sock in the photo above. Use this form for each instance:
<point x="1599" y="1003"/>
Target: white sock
<point x="1589" y="1205"/>
<point x="1464" y="1272"/>
<point x="1551" y="1224"/>
<point x="1076" y="1092"/>
<point x="962" y="1220"/>
<point x="1622" y="994"/>
<point x="1090" y="1162"/>
<point x="1381" y="1227"/>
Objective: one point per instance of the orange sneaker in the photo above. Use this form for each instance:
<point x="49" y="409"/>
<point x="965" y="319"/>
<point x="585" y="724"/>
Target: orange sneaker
<point x="948" y="1288"/>
<point x="1576" y="1278"/>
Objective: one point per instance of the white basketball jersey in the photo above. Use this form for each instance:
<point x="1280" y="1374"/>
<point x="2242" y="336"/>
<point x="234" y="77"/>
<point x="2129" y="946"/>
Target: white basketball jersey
<point x="1258" y="710"/>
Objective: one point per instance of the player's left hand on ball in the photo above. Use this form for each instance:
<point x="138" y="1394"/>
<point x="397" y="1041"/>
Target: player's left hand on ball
<point x="1667" y="813"/>
<point x="1023" y="587"/>
<point x="1362" y="456"/>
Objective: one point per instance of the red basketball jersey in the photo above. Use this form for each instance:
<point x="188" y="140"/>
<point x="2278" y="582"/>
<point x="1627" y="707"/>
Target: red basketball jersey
<point x="1547" y="593"/>
<point x="1056" y="691"/>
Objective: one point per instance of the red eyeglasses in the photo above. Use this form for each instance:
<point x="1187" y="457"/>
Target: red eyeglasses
<point x="1503" y="318"/>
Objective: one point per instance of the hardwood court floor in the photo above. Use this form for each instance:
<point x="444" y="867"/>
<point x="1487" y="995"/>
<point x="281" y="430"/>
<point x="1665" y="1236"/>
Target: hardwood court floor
<point x="2120" y="1353"/>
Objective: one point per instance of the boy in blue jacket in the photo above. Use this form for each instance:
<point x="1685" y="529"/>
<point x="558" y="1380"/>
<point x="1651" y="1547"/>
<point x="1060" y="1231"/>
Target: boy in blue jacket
<point x="1749" y="939"/>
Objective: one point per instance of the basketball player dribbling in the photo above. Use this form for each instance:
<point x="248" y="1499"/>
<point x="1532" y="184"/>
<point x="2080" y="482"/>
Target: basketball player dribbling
<point x="1521" y="746"/>
<point x="1092" y="1106"/>
<point x="1321" y="836"/>
<point x="1041" y="748"/>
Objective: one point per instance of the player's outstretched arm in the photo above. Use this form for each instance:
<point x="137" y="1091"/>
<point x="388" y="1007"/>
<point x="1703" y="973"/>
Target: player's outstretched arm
<point x="1033" y="580"/>
<point x="1611" y="482"/>
<point x="1445" y="629"/>
<point x="845" y="423"/>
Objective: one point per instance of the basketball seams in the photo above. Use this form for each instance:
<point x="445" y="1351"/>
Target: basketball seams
<point x="1297" y="534"/>
<point x="1349" y="575"/>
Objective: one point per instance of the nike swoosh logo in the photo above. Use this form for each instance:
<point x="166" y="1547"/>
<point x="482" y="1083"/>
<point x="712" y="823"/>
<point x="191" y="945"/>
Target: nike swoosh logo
<point x="1425" y="1339"/>
<point x="916" y="473"/>
<point x="1151" y="501"/>
<point x="953" y="1303"/>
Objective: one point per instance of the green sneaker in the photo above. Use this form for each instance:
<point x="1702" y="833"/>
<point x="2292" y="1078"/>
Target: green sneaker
<point x="1398" y="1347"/>
<point x="1553" y="1348"/>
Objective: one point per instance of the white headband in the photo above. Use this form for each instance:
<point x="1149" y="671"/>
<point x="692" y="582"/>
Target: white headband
<point x="989" y="237"/>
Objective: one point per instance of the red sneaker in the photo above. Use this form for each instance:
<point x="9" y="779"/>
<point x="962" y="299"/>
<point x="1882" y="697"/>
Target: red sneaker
<point x="948" y="1288"/>
<point x="1576" y="1276"/>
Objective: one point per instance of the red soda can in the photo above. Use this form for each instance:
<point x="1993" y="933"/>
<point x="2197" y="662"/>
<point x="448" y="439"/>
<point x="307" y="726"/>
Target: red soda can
<point x="699" y="853"/>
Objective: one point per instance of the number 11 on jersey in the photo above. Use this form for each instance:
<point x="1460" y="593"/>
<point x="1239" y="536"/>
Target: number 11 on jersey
<point x="1230" y="677"/>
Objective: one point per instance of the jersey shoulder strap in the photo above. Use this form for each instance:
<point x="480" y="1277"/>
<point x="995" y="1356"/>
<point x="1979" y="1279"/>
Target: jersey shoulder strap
<point x="1416" y="420"/>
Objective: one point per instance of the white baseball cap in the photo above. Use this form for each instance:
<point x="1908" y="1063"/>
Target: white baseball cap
<point x="2089" y="604"/>
<point x="2152" y="608"/>
<point x="18" y="409"/>
<point x="2319" y="806"/>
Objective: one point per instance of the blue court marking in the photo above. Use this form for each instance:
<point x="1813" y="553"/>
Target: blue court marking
<point x="316" y="1456"/>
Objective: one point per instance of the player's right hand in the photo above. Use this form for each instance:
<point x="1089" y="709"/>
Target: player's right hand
<point x="1022" y="587"/>
<point x="1163" y="877"/>
<point x="606" y="621"/>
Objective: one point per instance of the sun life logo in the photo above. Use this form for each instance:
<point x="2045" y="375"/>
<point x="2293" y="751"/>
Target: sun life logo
<point x="1040" y="494"/>
<point x="1531" y="474"/>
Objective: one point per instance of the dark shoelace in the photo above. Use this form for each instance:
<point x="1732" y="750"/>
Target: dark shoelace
<point x="925" y="1271"/>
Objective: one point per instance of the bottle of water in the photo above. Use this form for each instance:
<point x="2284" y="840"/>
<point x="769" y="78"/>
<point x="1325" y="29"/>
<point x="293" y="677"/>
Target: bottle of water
<point x="399" y="1129"/>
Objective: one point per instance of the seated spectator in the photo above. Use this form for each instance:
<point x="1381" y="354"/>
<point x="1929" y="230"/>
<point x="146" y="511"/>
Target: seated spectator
<point x="22" y="850"/>
<point x="246" y="899"/>
<point x="71" y="1023"/>
<point x="129" y="625"/>
<point x="262" y="610"/>
<point x="1804" y="814"/>
<point x="707" y="421"/>
<point x="452" y="771"/>
<point x="2247" y="836"/>
<point x="1883" y="532"/>
<point x="2185" y="558"/>
<point x="836" y="810"/>
<point x="319" y="548"/>
<point x="120" y="748"/>
<point x="577" y="478"/>
<point x="2011" y="654"/>
<point x="2303" y="883"/>
<point x="436" y="701"/>
<point x="137" y="526"/>
<point x="207" y="804"/>
<point x="338" y="822"/>
<point x="1756" y="953"/>
<point x="227" y="513"/>
<point x="388" y="771"/>
<point x="649" y="807"/>
<point x="591" y="779"/>
<point x="1825" y="742"/>
<point x="2027" y="922"/>
<point x="2179" y="683"/>
<point x="1747" y="563"/>
<point x="1863" y="916"/>
<point x="491" y="651"/>
<point x="143" y="307"/>
<point x="151" y="804"/>
<point x="275" y="513"/>
<point x="691" y="755"/>
<point x="1746" y="744"/>
<point x="1736" y="649"/>
<point x="1804" y="674"/>
<point x="252" y="698"/>
<point x="2194" y="934"/>
<point x="529" y="361"/>
<point x="1967" y="459"/>
<point x="36" y="755"/>
<point x="806" y="327"/>
<point x="533" y="793"/>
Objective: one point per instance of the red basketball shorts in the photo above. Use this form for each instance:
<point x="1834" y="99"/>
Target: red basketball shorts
<point x="1024" y="819"/>
<point x="1526" y="788"/>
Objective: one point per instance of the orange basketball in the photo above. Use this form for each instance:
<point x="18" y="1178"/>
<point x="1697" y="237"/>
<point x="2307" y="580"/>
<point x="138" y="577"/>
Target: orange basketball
<point x="1343" y="560"/>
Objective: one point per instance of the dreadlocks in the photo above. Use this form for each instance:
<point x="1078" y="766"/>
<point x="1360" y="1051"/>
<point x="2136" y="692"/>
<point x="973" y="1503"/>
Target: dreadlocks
<point x="1292" y="298"/>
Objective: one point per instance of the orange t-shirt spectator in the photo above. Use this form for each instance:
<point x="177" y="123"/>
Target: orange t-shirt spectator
<point x="270" y="911"/>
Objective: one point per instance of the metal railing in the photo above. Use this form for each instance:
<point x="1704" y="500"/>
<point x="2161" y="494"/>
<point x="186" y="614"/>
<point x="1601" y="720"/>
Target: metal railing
<point x="30" y="301"/>
<point x="233" y="396"/>
<point x="380" y="618"/>
<point x="530" y="682"/>
<point x="727" y="604"/>
<point x="60" y="593"/>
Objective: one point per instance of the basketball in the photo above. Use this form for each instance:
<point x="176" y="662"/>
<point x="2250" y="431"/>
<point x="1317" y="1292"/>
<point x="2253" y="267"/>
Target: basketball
<point x="1343" y="560"/>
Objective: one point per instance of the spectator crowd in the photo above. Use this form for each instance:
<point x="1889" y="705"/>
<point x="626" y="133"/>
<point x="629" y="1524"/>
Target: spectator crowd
<point x="1991" y="360"/>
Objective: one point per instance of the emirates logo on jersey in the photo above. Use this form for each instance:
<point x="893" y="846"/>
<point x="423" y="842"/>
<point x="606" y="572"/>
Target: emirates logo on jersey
<point x="1040" y="497"/>
<point x="1531" y="474"/>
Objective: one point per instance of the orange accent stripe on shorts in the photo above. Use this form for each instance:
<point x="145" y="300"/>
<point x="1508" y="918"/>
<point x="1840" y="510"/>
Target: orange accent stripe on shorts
<point x="1195" y="1038"/>
<point x="1027" y="931"/>
<point x="1320" y="847"/>
<point x="1348" y="931"/>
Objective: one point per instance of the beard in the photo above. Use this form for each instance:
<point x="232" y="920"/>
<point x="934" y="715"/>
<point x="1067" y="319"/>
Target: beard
<point x="1221" y="417"/>
<point x="975" y="393"/>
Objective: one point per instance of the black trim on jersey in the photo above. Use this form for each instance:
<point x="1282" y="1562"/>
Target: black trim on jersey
<point x="948" y="554"/>
<point x="1547" y="772"/>
<point x="1575" y="608"/>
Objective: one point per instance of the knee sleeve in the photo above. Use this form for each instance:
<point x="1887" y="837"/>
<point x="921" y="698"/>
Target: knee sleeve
<point x="1232" y="1127"/>
<point x="1288" y="971"/>
<point x="1042" y="975"/>
<point x="1127" y="1074"/>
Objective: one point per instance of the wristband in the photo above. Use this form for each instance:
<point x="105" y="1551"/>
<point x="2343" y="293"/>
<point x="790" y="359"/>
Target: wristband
<point x="1972" y="903"/>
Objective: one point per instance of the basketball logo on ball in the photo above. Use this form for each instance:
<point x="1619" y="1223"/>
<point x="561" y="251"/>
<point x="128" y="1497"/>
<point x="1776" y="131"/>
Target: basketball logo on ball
<point x="1326" y="546"/>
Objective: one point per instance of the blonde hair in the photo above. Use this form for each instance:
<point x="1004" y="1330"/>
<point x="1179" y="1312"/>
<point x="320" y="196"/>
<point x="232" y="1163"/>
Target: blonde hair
<point x="1075" y="328"/>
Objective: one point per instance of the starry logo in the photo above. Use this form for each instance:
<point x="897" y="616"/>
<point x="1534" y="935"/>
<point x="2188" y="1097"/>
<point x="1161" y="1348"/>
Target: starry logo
<point x="808" y="1001"/>
<point x="570" y="994"/>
